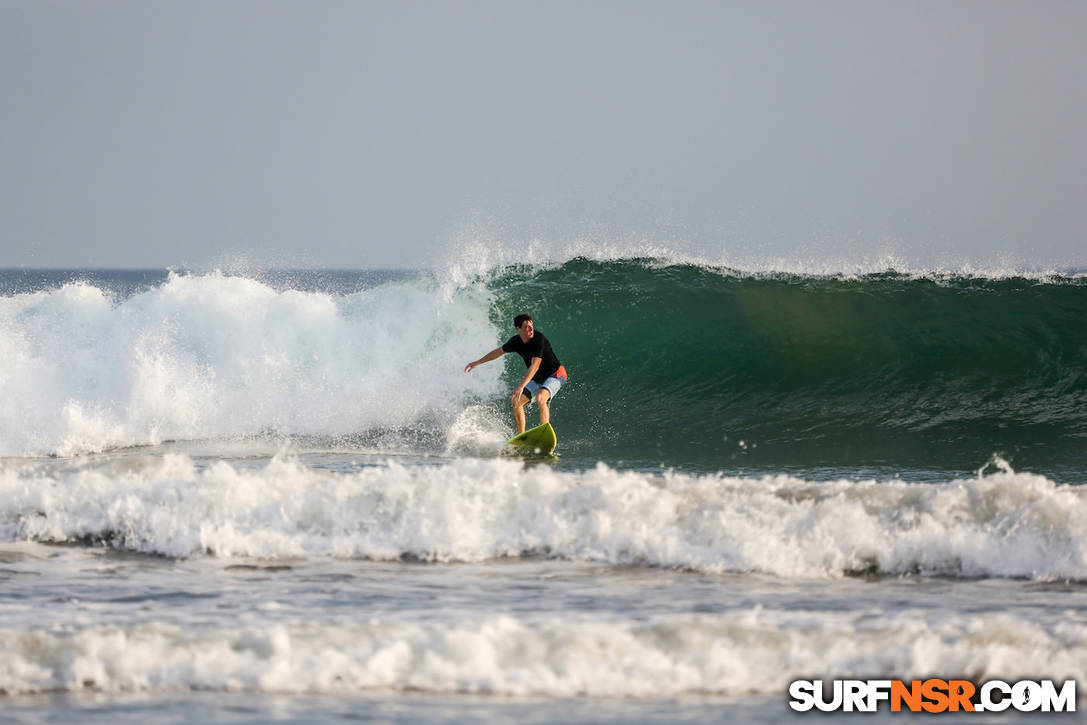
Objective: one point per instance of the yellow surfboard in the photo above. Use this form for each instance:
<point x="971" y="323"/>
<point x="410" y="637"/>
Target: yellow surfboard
<point x="539" y="441"/>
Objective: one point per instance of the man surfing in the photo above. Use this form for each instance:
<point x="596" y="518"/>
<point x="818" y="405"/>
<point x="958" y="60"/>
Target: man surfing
<point x="545" y="375"/>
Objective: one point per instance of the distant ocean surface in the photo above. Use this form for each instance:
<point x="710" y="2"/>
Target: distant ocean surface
<point x="277" y="497"/>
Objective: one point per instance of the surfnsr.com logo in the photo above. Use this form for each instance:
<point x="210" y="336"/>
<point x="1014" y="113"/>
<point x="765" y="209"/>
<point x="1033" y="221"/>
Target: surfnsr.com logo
<point x="932" y="696"/>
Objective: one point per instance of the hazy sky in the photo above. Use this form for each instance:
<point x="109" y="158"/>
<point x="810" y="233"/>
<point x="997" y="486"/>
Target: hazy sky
<point x="384" y="134"/>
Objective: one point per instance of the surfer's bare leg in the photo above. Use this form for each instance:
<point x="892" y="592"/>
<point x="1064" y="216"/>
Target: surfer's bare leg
<point x="542" y="396"/>
<point x="519" y="413"/>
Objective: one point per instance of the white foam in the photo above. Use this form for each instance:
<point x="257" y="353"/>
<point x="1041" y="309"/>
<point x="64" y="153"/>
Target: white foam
<point x="734" y="653"/>
<point x="211" y="355"/>
<point x="1005" y="525"/>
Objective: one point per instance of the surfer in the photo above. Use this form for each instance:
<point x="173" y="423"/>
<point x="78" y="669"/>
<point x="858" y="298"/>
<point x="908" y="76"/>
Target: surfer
<point x="545" y="375"/>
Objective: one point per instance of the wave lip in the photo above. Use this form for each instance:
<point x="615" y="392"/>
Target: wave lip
<point x="488" y="256"/>
<point x="1004" y="525"/>
<point x="736" y="653"/>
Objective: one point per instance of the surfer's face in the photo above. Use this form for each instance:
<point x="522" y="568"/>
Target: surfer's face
<point x="525" y="330"/>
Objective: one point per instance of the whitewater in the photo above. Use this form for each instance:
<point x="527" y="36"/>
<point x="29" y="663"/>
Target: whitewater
<point x="276" y="496"/>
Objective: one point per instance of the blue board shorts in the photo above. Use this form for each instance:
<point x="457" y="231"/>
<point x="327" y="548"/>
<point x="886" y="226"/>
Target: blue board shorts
<point x="553" y="385"/>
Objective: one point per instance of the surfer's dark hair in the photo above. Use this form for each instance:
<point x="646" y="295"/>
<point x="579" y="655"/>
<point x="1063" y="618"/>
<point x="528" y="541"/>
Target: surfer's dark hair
<point x="520" y="320"/>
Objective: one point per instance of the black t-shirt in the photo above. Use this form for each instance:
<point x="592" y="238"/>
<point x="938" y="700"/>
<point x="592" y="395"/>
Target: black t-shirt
<point x="539" y="346"/>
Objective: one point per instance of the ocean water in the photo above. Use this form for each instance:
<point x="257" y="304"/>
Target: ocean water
<point x="276" y="497"/>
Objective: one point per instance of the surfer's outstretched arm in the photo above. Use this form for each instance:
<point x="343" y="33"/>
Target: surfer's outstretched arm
<point x="492" y="355"/>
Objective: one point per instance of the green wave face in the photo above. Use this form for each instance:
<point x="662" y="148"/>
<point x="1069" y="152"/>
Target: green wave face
<point x="685" y="366"/>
